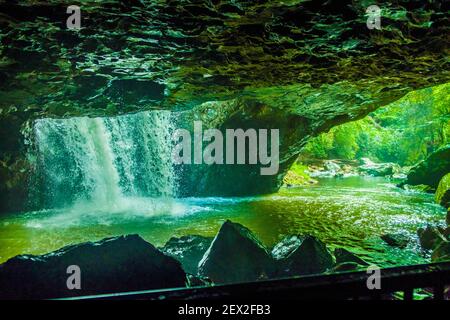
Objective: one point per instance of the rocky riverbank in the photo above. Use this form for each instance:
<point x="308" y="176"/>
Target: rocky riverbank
<point x="433" y="175"/>
<point x="129" y="263"/>
<point x="306" y="171"/>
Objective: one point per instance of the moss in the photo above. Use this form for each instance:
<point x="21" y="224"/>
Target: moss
<point x="297" y="175"/>
<point x="443" y="191"/>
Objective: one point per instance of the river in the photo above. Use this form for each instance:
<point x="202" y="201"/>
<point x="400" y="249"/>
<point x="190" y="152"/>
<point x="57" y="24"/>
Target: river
<point x="343" y="212"/>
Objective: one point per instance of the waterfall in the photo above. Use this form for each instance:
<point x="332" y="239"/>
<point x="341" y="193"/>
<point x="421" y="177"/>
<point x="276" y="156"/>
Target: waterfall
<point x="104" y="160"/>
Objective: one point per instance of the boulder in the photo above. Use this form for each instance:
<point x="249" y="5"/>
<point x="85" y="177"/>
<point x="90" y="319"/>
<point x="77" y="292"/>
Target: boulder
<point x="235" y="255"/>
<point x="194" y="281"/>
<point x="311" y="256"/>
<point x="124" y="263"/>
<point x="443" y="191"/>
<point x="344" y="256"/>
<point x="431" y="170"/>
<point x="416" y="188"/>
<point x="286" y="246"/>
<point x="446" y="232"/>
<point x="378" y="169"/>
<point x="188" y="250"/>
<point x="395" y="240"/>
<point x="441" y="252"/>
<point x="331" y="166"/>
<point x="346" y="266"/>
<point x="429" y="237"/>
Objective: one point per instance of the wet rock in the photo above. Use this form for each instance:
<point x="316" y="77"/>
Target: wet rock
<point x="429" y="237"/>
<point x="343" y="256"/>
<point x="132" y="91"/>
<point x="443" y="191"/>
<point x="441" y="252"/>
<point x="395" y="240"/>
<point x="188" y="250"/>
<point x="235" y="255"/>
<point x="194" y="281"/>
<point x="431" y="170"/>
<point x="332" y="166"/>
<point x="416" y="188"/>
<point x="346" y="266"/>
<point x="286" y="246"/>
<point x="310" y="257"/>
<point x="378" y="169"/>
<point x="125" y="263"/>
<point x="329" y="169"/>
<point x="445" y="232"/>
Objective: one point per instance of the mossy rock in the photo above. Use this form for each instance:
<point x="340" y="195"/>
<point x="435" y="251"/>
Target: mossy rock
<point x="294" y="179"/>
<point x="431" y="170"/>
<point x="443" y="191"/>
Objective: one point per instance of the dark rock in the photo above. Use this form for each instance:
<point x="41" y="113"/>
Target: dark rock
<point x="446" y="233"/>
<point x="441" y="252"/>
<point x="235" y="255"/>
<point x="189" y="250"/>
<point x="395" y="240"/>
<point x="429" y="237"/>
<point x="431" y="170"/>
<point x="125" y="263"/>
<point x="310" y="257"/>
<point x="286" y="246"/>
<point x="343" y="255"/>
<point x="194" y="281"/>
<point x="443" y="191"/>
<point x="346" y="266"/>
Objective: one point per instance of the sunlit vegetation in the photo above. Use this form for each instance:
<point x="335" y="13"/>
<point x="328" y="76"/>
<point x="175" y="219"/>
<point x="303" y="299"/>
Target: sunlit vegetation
<point x="404" y="132"/>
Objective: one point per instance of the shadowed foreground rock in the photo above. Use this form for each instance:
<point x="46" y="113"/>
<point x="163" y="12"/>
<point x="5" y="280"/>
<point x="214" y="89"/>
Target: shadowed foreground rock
<point x="125" y="263"/>
<point x="235" y="255"/>
<point x="344" y="256"/>
<point x="441" y="252"/>
<point x="395" y="240"/>
<point x="188" y="250"/>
<point x="311" y="256"/>
<point x="286" y="246"/>
<point x="430" y="237"/>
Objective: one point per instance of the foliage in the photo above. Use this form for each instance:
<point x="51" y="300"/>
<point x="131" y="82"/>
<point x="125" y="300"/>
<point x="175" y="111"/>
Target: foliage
<point x="299" y="169"/>
<point x="404" y="132"/>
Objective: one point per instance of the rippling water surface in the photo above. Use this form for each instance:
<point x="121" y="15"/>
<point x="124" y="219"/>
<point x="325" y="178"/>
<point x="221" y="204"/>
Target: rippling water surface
<point x="350" y="212"/>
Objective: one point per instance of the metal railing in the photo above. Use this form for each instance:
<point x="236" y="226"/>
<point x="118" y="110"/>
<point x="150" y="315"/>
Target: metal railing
<point x="345" y="285"/>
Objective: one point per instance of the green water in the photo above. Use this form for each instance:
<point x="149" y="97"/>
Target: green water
<point x="351" y="212"/>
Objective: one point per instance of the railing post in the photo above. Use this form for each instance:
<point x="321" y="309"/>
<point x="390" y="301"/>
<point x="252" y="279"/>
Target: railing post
<point x="408" y="294"/>
<point x="438" y="292"/>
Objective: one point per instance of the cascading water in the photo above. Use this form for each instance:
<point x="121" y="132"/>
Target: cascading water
<point x="104" y="161"/>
